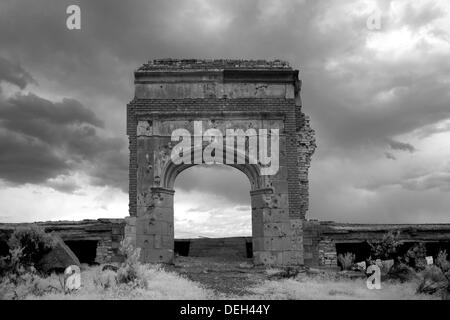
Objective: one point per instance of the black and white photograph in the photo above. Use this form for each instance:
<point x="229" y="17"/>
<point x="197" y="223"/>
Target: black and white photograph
<point x="230" y="155"/>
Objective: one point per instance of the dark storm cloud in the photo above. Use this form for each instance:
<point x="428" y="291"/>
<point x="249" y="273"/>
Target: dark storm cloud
<point x="33" y="108"/>
<point x="42" y="139"/>
<point x="25" y="160"/>
<point x="356" y="99"/>
<point x="354" y="113"/>
<point x="14" y="73"/>
<point x="397" y="145"/>
<point x="390" y="156"/>
<point x="63" y="186"/>
<point x="128" y="34"/>
<point x="117" y="34"/>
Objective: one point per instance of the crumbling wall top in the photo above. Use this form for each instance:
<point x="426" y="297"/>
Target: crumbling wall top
<point x="212" y="64"/>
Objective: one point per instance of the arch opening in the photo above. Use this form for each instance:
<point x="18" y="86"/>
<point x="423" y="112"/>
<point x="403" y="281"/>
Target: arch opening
<point x="252" y="171"/>
<point x="212" y="212"/>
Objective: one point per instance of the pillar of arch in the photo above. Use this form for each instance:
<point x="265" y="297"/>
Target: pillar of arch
<point x="172" y="94"/>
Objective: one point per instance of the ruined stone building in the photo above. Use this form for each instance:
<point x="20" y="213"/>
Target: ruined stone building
<point x="223" y="94"/>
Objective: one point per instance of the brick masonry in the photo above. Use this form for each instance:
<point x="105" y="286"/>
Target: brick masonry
<point x="244" y="94"/>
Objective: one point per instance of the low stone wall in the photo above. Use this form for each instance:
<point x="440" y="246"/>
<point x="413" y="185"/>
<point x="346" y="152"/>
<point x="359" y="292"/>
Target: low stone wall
<point x="237" y="247"/>
<point x="327" y="253"/>
<point x="106" y="234"/>
<point x="323" y="239"/>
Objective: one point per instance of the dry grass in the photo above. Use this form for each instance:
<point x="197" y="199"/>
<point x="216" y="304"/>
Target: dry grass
<point x="160" y="285"/>
<point x="314" y="288"/>
<point x="170" y="285"/>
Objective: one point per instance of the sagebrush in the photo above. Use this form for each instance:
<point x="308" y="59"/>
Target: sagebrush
<point x="27" y="245"/>
<point x="346" y="260"/>
<point x="387" y="247"/>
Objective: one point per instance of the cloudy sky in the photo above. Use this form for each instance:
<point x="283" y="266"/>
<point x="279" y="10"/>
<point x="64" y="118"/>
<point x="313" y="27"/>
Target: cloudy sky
<point x="379" y="101"/>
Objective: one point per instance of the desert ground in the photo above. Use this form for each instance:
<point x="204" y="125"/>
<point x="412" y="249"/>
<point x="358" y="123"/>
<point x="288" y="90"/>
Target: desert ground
<point x="214" y="278"/>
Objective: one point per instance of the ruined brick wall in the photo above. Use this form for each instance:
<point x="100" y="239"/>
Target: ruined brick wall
<point x="327" y="252"/>
<point x="297" y="139"/>
<point x="108" y="247"/>
<point x="106" y="233"/>
<point x="311" y="237"/>
<point x="323" y="240"/>
<point x="171" y="94"/>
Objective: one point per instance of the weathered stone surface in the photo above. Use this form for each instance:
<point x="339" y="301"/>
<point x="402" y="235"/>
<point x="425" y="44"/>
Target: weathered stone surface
<point x="221" y="95"/>
<point x="321" y="238"/>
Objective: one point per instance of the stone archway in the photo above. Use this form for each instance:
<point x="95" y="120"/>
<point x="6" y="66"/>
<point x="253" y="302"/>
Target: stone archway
<point x="221" y="94"/>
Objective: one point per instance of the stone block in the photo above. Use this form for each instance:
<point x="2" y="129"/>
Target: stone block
<point x="268" y="258"/>
<point x="145" y="241"/>
<point x="278" y="200"/>
<point x="296" y="227"/>
<point x="162" y="199"/>
<point x="157" y="256"/>
<point x="276" y="243"/>
<point x="257" y="228"/>
<point x="157" y="241"/>
<point x="156" y="213"/>
<point x="296" y="243"/>
<point x="273" y="229"/>
<point x="130" y="221"/>
<point x="281" y="175"/>
<point x="258" y="243"/>
<point x="130" y="230"/>
<point x="274" y="215"/>
<point x="258" y="201"/>
<point x="167" y="242"/>
<point x="293" y="257"/>
<point x="276" y="229"/>
<point x="280" y="186"/>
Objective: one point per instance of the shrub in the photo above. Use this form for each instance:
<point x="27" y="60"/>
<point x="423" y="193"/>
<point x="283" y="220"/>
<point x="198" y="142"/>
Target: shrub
<point x="402" y="272"/>
<point x="433" y="281"/>
<point x="105" y="279"/>
<point x="12" y="263"/>
<point x="27" y="245"/>
<point x="387" y="247"/>
<point x="346" y="260"/>
<point x="29" y="283"/>
<point x="416" y="256"/>
<point x="131" y="271"/>
<point x="442" y="262"/>
<point x="34" y="243"/>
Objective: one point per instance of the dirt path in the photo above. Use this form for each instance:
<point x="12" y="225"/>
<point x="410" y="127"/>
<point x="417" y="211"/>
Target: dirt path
<point x="224" y="275"/>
